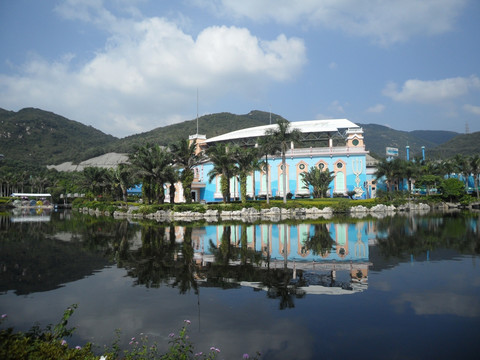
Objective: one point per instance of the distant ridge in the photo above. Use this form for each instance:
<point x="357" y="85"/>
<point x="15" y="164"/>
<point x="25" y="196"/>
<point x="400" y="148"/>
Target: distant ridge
<point x="41" y="137"/>
<point x="378" y="137"/>
<point x="38" y="137"/>
<point x="209" y="125"/>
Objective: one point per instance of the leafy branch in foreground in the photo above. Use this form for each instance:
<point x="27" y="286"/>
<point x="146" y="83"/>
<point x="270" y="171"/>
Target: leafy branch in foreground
<point x="49" y="343"/>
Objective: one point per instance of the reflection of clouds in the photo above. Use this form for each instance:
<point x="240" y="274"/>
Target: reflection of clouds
<point x="380" y="285"/>
<point x="442" y="303"/>
<point x="235" y="321"/>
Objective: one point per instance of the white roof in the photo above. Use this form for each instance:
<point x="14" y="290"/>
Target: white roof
<point x="30" y="195"/>
<point x="309" y="126"/>
<point x="109" y="160"/>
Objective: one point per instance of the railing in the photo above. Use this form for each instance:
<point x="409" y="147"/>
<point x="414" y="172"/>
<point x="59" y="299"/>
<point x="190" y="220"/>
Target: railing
<point x="330" y="151"/>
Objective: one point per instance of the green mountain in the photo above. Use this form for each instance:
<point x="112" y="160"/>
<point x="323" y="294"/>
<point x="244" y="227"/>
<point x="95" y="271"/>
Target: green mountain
<point x="41" y="137"/>
<point x="209" y="125"/>
<point x="378" y="137"/>
<point x="34" y="136"/>
<point x="466" y="144"/>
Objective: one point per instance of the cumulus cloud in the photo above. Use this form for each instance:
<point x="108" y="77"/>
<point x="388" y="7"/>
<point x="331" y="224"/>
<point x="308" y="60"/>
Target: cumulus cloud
<point x="148" y="70"/>
<point x="432" y="91"/>
<point x="376" y="108"/>
<point x="385" y="22"/>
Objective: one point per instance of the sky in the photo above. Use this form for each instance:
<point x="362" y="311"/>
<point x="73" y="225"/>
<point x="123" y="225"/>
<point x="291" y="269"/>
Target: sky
<point x="130" y="66"/>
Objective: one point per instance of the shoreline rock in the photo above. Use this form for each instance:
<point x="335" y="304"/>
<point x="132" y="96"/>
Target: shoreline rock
<point x="273" y="214"/>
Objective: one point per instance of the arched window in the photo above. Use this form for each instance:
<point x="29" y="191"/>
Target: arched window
<point x="280" y="180"/>
<point x="340" y="177"/>
<point x="301" y="190"/>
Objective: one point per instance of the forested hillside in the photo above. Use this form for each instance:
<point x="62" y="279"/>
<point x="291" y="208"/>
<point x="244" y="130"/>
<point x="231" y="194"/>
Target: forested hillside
<point x="42" y="137"/>
<point x="209" y="125"/>
<point x="36" y="137"/>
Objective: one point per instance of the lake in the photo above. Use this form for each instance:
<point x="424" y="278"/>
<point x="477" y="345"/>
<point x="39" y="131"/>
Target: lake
<point x="403" y="286"/>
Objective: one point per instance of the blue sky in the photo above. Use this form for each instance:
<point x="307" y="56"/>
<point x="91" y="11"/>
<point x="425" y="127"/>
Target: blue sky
<point x="126" y="67"/>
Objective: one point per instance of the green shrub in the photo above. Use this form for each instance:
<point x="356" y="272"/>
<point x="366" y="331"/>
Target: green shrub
<point x="50" y="343"/>
<point x="341" y="206"/>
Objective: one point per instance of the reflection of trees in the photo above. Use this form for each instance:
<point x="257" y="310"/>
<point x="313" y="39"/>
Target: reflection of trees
<point x="321" y="242"/>
<point x="280" y="286"/>
<point x="416" y="235"/>
<point x="153" y="263"/>
<point x="186" y="269"/>
<point x="41" y="256"/>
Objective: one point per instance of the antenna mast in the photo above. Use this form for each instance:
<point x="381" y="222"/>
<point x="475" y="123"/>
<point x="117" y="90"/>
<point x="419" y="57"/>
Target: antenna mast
<point x="197" y="111"/>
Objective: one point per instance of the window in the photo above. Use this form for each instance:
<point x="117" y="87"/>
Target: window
<point x="355" y="142"/>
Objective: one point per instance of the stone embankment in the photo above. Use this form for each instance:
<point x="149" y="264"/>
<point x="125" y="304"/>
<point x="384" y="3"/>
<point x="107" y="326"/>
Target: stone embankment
<point x="252" y="215"/>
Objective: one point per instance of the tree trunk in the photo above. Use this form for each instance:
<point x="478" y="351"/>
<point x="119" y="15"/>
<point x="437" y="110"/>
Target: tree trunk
<point x="243" y="188"/>
<point x="267" y="181"/>
<point x="284" y="174"/>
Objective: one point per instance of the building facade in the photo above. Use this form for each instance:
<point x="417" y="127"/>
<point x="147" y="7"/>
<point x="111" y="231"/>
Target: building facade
<point x="333" y="145"/>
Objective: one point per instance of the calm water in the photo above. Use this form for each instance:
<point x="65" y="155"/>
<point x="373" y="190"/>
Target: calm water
<point x="401" y="287"/>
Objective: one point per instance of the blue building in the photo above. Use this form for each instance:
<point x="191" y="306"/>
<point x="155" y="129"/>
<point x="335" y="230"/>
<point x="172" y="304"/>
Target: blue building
<point x="335" y="145"/>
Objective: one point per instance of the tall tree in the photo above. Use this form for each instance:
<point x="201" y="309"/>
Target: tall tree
<point x="475" y="168"/>
<point x="172" y="176"/>
<point x="184" y="156"/>
<point x="283" y="136"/>
<point x="153" y="163"/>
<point x="122" y="178"/>
<point x="223" y="165"/>
<point x="246" y="160"/>
<point x="463" y="167"/>
<point x="94" y="179"/>
<point x="267" y="148"/>
<point x="385" y="168"/>
<point x="319" y="180"/>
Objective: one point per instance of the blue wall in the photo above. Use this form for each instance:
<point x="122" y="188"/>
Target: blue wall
<point x="357" y="161"/>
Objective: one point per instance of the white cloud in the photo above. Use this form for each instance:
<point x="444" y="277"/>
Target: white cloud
<point x="472" y="109"/>
<point x="149" y="70"/>
<point x="376" y="108"/>
<point x="432" y="91"/>
<point x="386" y="21"/>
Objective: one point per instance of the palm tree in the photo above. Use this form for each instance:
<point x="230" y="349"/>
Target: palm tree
<point x="93" y="179"/>
<point x="475" y="168"/>
<point x="411" y="170"/>
<point x="172" y="176"/>
<point x="122" y="178"/>
<point x="153" y="163"/>
<point x="386" y="168"/>
<point x="223" y="165"/>
<point x="463" y="167"/>
<point x="246" y="161"/>
<point x="283" y="136"/>
<point x="319" y="180"/>
<point x="184" y="156"/>
<point x="267" y="147"/>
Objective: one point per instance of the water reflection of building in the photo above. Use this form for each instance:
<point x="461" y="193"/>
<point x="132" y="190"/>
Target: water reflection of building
<point x="349" y="241"/>
<point x="339" y="268"/>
